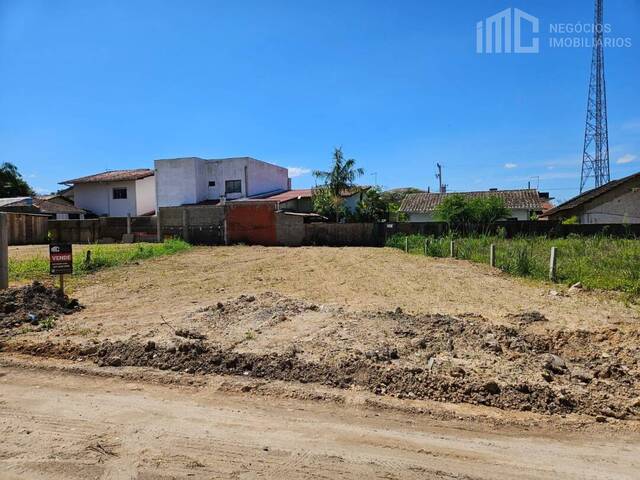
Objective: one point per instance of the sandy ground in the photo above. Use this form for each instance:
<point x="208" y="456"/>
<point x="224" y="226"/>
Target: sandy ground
<point x="354" y="278"/>
<point x="336" y="311"/>
<point x="60" y="426"/>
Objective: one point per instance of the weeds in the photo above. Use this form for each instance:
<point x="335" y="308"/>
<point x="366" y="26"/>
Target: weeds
<point x="102" y="256"/>
<point x="598" y="261"/>
<point x="47" y="323"/>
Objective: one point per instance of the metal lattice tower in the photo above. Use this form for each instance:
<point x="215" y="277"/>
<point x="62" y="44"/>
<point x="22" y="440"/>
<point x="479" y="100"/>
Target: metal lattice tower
<point x="595" y="159"/>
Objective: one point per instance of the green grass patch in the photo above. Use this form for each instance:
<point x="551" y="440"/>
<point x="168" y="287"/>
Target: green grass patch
<point x="598" y="261"/>
<point x="102" y="256"/>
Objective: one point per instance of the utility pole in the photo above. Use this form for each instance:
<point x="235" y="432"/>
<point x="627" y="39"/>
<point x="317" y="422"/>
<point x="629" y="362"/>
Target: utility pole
<point x="442" y="186"/>
<point x="595" y="157"/>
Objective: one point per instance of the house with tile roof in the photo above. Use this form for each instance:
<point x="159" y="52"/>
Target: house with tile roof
<point x="116" y="193"/>
<point x="55" y="206"/>
<point x="421" y="207"/>
<point x="615" y="202"/>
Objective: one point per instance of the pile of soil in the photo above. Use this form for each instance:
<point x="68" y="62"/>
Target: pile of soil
<point x="523" y="365"/>
<point x="33" y="303"/>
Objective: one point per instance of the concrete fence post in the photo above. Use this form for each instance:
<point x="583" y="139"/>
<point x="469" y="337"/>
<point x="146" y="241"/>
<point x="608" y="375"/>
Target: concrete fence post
<point x="426" y="246"/>
<point x="492" y="255"/>
<point x="553" y="264"/>
<point x="128" y="223"/>
<point x="185" y="225"/>
<point x="452" y="248"/>
<point x="158" y="227"/>
<point x="4" y="251"/>
<point x="406" y="244"/>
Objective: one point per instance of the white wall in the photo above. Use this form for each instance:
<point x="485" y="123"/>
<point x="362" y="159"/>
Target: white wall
<point x="98" y="198"/>
<point x="145" y="195"/>
<point x="181" y="181"/>
<point x="176" y="181"/>
<point x="266" y="177"/>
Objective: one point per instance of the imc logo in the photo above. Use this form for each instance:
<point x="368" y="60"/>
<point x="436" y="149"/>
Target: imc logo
<point x="503" y="32"/>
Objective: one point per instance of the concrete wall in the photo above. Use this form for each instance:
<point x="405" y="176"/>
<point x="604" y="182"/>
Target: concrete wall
<point x="186" y="181"/>
<point x="176" y="181"/>
<point x="96" y="229"/>
<point x="290" y="229"/>
<point x="98" y="198"/>
<point x="265" y="177"/>
<point x="619" y="207"/>
<point x="145" y="195"/>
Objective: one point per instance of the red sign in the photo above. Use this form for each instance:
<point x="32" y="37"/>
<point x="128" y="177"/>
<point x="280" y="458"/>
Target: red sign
<point x="60" y="258"/>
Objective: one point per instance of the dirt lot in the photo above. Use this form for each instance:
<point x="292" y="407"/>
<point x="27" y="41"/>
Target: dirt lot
<point x="437" y="338"/>
<point x="57" y="425"/>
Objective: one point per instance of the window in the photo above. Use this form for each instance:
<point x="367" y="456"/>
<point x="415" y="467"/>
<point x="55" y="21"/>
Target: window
<point x="74" y="216"/>
<point x="119" y="193"/>
<point x="212" y="183"/>
<point x="233" y="186"/>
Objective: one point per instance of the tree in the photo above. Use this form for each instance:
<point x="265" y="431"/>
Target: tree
<point x="467" y="214"/>
<point x="336" y="181"/>
<point x="372" y="207"/>
<point x="11" y="182"/>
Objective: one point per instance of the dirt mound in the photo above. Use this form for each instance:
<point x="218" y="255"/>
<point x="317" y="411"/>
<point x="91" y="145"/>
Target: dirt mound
<point x="32" y="304"/>
<point x="524" y="365"/>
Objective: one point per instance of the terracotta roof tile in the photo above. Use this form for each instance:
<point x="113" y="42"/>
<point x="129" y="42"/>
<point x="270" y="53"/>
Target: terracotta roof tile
<point x="113" y="176"/>
<point x="513" y="199"/>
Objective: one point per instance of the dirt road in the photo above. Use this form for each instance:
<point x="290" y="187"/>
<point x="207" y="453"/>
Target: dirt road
<point x="60" y="426"/>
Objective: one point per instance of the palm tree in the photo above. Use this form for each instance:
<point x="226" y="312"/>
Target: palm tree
<point x="340" y="178"/>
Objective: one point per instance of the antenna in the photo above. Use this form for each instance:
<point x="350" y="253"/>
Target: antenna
<point x="595" y="157"/>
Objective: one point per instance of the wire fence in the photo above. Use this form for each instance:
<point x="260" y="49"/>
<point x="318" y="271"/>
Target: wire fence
<point x="597" y="262"/>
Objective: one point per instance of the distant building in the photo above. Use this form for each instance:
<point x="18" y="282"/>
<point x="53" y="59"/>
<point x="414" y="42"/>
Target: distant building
<point x="116" y="193"/>
<point x="56" y="207"/>
<point x="421" y="207"/>
<point x="301" y="201"/>
<point x="615" y="202"/>
<point x="185" y="181"/>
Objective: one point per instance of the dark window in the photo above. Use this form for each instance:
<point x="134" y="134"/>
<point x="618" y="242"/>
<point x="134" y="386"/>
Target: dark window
<point x="119" y="193"/>
<point x="212" y="183"/>
<point x="74" y="216"/>
<point x="233" y="186"/>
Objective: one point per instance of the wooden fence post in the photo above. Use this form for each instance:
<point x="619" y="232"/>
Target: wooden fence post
<point x="492" y="255"/>
<point x="553" y="265"/>
<point x="4" y="251"/>
<point x="452" y="248"/>
<point x="406" y="244"/>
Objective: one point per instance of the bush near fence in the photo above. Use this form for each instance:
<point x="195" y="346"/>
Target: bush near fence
<point x="598" y="261"/>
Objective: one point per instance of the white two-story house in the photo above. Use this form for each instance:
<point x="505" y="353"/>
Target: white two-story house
<point x="187" y="181"/>
<point x="116" y="193"/>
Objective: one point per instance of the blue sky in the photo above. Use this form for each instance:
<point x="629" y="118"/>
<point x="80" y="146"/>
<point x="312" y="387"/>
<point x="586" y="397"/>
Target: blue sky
<point x="89" y="86"/>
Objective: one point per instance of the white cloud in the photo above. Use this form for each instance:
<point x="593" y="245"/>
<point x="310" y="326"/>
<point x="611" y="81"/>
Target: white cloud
<point x="42" y="191"/>
<point x="632" y="125"/>
<point x="298" y="171"/>
<point x="628" y="158"/>
<point x="510" y="165"/>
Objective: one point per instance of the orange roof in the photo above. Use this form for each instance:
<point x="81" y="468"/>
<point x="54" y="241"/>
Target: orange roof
<point x="290" y="195"/>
